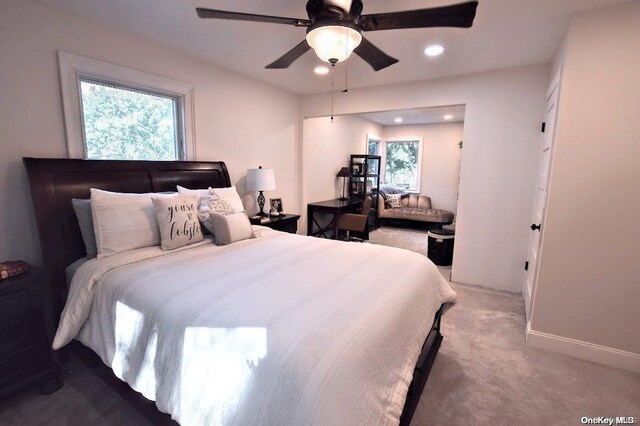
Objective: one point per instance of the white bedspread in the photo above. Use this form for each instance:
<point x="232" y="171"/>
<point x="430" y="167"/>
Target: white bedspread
<point x="277" y="330"/>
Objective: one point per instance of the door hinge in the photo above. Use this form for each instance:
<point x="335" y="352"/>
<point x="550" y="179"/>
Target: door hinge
<point x="544" y="126"/>
<point x="526" y="265"/>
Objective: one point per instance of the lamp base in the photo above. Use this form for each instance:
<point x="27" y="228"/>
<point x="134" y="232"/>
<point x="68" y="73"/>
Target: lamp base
<point x="343" y="198"/>
<point x="261" y="201"/>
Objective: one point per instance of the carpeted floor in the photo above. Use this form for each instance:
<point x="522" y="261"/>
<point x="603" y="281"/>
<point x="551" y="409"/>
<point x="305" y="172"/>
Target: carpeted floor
<point x="484" y="374"/>
<point x="406" y="238"/>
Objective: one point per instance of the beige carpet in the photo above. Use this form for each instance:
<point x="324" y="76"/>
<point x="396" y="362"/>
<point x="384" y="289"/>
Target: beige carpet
<point x="409" y="239"/>
<point x="484" y="375"/>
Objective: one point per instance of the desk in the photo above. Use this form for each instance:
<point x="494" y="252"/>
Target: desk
<point x="333" y="207"/>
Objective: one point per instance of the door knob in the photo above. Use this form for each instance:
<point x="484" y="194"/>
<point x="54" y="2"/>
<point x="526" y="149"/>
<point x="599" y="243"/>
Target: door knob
<point x="534" y="226"/>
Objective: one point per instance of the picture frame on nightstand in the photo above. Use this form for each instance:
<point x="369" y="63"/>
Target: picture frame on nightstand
<point x="276" y="207"/>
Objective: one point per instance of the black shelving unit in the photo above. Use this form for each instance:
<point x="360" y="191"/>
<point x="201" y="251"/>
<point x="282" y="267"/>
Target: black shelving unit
<point x="365" y="180"/>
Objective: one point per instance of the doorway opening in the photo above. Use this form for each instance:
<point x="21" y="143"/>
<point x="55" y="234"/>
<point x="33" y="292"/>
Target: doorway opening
<point x="420" y="152"/>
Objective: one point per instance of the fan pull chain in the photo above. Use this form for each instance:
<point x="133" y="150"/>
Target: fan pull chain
<point x="346" y="77"/>
<point x="346" y="63"/>
<point x="332" y="91"/>
<point x="333" y="82"/>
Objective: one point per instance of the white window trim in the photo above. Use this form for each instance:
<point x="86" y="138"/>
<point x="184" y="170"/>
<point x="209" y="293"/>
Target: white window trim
<point x="74" y="67"/>
<point x="383" y="161"/>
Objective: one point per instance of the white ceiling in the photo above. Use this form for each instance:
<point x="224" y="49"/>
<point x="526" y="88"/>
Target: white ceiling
<point x="506" y="33"/>
<point x="417" y="115"/>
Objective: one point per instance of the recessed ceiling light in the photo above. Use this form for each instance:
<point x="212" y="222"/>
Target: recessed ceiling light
<point x="434" y="50"/>
<point x="321" y="70"/>
<point x="398" y="120"/>
<point x="448" y="117"/>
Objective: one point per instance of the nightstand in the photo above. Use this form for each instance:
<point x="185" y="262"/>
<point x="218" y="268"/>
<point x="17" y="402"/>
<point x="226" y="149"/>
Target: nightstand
<point x="285" y="223"/>
<point x="25" y="352"/>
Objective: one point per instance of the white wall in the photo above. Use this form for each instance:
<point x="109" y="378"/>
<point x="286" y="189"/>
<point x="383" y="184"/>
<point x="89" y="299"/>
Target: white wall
<point x="238" y="120"/>
<point x="326" y="148"/>
<point x="504" y="109"/>
<point x="440" y="171"/>
<point x="589" y="278"/>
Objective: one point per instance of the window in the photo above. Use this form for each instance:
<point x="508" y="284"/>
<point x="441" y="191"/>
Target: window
<point x="373" y="145"/>
<point x="126" y="124"/>
<point x="402" y="163"/>
<point x="117" y="113"/>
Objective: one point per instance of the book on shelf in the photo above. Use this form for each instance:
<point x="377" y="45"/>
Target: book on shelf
<point x="13" y="268"/>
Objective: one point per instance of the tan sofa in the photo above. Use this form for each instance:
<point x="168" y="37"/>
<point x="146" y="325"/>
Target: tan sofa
<point x="414" y="208"/>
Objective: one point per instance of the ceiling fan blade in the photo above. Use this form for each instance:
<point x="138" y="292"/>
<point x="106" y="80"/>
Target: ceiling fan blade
<point x="288" y="58"/>
<point x="238" y="16"/>
<point x="457" y="15"/>
<point x="374" y="56"/>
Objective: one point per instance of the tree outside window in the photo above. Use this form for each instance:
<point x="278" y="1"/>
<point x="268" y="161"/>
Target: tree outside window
<point x="401" y="165"/>
<point x="124" y="124"/>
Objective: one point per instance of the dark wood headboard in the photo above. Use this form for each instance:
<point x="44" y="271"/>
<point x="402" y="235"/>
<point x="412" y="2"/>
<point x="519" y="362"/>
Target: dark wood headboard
<point x="54" y="182"/>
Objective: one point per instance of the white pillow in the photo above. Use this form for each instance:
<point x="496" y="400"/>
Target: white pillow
<point x="201" y="193"/>
<point x="230" y="195"/>
<point x="178" y="220"/>
<point x="123" y="221"/>
<point x="230" y="228"/>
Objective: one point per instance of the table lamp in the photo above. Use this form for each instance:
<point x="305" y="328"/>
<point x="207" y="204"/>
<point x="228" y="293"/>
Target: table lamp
<point x="344" y="173"/>
<point x="260" y="180"/>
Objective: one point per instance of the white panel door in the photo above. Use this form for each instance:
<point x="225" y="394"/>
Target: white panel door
<point x="540" y="201"/>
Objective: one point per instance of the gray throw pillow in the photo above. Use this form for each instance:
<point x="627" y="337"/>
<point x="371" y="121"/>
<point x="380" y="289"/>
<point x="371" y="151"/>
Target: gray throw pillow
<point x="85" y="220"/>
<point x="231" y="228"/>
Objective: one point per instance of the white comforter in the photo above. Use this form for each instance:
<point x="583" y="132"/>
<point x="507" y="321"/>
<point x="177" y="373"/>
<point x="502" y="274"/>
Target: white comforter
<point x="277" y="330"/>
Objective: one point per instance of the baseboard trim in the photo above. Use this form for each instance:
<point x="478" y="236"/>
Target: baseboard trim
<point x="584" y="350"/>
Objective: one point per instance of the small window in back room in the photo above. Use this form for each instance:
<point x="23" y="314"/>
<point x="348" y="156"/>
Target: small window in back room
<point x="402" y="165"/>
<point x="129" y="124"/>
<point x="373" y="145"/>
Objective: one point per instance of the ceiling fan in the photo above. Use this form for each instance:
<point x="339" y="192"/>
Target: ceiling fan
<point x="334" y="28"/>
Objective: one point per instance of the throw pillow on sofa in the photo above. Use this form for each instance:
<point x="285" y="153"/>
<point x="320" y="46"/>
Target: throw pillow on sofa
<point x="393" y="201"/>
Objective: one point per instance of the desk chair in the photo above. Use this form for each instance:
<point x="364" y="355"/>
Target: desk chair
<point x="355" y="222"/>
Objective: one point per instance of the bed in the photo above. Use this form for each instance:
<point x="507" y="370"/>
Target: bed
<point x="280" y="329"/>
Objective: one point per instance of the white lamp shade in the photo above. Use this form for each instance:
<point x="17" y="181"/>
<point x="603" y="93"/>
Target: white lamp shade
<point x="260" y="180"/>
<point x="333" y="43"/>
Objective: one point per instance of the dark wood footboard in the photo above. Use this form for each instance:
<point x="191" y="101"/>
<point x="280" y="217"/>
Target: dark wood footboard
<point x="422" y="370"/>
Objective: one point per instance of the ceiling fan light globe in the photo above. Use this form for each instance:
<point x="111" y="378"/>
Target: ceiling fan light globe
<point x="333" y="43"/>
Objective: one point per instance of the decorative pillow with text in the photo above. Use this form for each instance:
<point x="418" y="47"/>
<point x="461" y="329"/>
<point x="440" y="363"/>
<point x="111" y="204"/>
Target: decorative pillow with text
<point x="393" y="201"/>
<point x="178" y="220"/>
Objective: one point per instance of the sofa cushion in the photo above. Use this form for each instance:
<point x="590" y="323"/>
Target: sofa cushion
<point x="440" y="216"/>
<point x="421" y="215"/>
<point x="417" y="201"/>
